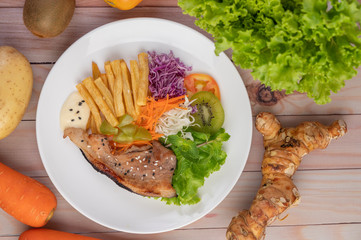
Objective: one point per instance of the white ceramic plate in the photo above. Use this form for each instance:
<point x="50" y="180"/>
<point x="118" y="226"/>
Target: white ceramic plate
<point x="93" y="194"/>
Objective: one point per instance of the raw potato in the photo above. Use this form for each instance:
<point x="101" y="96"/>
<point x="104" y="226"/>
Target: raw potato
<point x="16" y="84"/>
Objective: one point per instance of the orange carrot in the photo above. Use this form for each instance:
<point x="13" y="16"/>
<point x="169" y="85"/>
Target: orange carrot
<point x="154" y="109"/>
<point x="48" y="234"/>
<point x="24" y="198"/>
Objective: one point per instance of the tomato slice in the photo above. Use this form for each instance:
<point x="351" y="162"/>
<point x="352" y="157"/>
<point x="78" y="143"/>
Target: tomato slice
<point x="197" y="82"/>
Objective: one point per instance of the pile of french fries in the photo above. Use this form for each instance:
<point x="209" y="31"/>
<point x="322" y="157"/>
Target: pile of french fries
<point x="116" y="92"/>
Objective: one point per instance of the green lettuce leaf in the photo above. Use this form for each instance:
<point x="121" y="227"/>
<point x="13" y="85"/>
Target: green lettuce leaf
<point x="196" y="160"/>
<point x="302" y="45"/>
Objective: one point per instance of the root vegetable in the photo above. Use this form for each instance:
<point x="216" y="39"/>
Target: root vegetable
<point x="16" y="84"/>
<point x="48" y="234"/>
<point x="284" y="149"/>
<point x="24" y="198"/>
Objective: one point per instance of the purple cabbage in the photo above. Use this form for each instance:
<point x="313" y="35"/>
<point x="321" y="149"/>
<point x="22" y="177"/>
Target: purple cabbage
<point x="166" y="75"/>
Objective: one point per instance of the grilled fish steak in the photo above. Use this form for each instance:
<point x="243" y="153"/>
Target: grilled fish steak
<point x="145" y="170"/>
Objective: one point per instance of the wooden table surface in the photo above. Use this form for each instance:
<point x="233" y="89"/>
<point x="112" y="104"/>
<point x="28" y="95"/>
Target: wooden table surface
<point x="329" y="180"/>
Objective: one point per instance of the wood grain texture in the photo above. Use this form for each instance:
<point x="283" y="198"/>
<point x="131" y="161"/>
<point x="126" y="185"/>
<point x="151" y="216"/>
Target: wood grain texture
<point x="83" y="21"/>
<point x="98" y="3"/>
<point x="329" y="232"/>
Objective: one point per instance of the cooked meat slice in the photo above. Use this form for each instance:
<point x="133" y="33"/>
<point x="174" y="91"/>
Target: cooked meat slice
<point x="145" y="170"/>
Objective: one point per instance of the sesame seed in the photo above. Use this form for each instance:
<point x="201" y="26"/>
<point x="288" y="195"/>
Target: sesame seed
<point x="160" y="168"/>
<point x="153" y="174"/>
<point x="138" y="168"/>
<point x="72" y="120"/>
<point x="145" y="166"/>
<point x="77" y="112"/>
<point x="153" y="177"/>
<point x="155" y="164"/>
<point x="127" y="163"/>
<point x="70" y="109"/>
<point x="82" y="140"/>
<point x="89" y="146"/>
<point x="82" y="101"/>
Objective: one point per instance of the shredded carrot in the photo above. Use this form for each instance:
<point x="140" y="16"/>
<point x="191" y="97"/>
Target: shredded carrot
<point x="154" y="109"/>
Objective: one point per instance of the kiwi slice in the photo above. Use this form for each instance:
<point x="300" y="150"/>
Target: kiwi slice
<point x="209" y="117"/>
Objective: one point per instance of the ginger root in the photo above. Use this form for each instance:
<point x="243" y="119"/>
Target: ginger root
<point x="284" y="149"/>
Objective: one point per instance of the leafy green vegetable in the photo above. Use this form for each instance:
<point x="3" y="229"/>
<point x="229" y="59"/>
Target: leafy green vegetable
<point x="196" y="160"/>
<point x="302" y="45"/>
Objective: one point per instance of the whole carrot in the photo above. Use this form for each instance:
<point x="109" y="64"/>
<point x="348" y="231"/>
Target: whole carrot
<point x="24" y="198"/>
<point x="48" y="234"/>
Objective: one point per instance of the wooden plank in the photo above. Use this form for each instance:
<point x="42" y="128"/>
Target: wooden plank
<point x="40" y="72"/>
<point x="328" y="197"/>
<point x="346" y="101"/>
<point x="342" y="153"/>
<point x="330" y="232"/>
<point x="84" y="20"/>
<point x="99" y="3"/>
<point x="20" y="151"/>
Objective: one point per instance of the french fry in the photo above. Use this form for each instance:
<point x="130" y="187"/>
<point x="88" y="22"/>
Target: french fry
<point x="95" y="70"/>
<point x="118" y="88"/>
<point x="107" y="95"/>
<point x="105" y="79"/>
<point x="93" y="126"/>
<point x="92" y="105"/>
<point x="110" y="76"/>
<point x="98" y="98"/>
<point x="127" y="92"/>
<point x="134" y="76"/>
<point x="143" y="79"/>
<point x="89" y="121"/>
